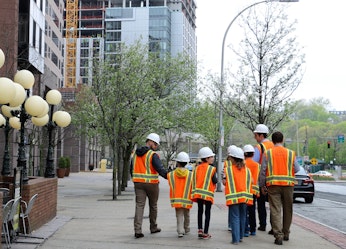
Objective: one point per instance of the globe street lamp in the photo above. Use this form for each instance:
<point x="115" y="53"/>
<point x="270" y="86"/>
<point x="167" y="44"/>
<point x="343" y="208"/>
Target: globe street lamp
<point x="59" y="118"/>
<point x="221" y="129"/>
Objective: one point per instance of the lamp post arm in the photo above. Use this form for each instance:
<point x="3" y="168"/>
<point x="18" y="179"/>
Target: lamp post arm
<point x="219" y="165"/>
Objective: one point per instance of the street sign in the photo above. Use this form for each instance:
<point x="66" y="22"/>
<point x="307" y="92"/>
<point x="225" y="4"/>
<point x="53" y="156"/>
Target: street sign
<point x="313" y="161"/>
<point x="341" y="138"/>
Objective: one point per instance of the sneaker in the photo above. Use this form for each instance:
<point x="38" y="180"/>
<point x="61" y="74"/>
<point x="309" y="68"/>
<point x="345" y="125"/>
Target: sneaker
<point x="271" y="232"/>
<point x="262" y="228"/>
<point x="157" y="230"/>
<point x="246" y="234"/>
<point x="286" y="238"/>
<point x="206" y="236"/>
<point x="278" y="241"/>
<point x="180" y="235"/>
<point x="230" y="229"/>
<point x="139" y="235"/>
<point x="253" y="233"/>
<point x="200" y="233"/>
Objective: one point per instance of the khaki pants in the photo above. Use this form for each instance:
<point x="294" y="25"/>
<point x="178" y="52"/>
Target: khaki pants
<point x="183" y="220"/>
<point x="280" y="197"/>
<point x="142" y="191"/>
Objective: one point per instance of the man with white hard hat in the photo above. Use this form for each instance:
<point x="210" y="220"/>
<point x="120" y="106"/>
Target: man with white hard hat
<point x="260" y="134"/>
<point x="146" y="167"/>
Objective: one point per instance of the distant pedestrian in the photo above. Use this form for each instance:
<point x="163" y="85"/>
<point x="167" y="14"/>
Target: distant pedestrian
<point x="145" y="170"/>
<point x="180" y="184"/>
<point x="260" y="134"/>
<point x="203" y="188"/>
<point x="250" y="227"/>
<point x="277" y="175"/>
<point x="238" y="192"/>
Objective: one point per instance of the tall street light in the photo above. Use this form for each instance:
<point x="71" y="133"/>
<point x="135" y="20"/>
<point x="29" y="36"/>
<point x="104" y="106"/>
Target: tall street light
<point x="221" y="129"/>
<point x="58" y="118"/>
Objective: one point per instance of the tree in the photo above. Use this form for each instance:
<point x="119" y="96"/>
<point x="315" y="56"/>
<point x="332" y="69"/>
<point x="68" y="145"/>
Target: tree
<point x="269" y="70"/>
<point x="133" y="95"/>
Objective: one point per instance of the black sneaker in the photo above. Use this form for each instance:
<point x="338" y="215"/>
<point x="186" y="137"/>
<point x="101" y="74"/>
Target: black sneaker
<point x="278" y="241"/>
<point x="157" y="230"/>
<point x="139" y="235"/>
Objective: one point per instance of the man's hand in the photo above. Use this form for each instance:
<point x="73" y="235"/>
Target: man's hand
<point x="264" y="190"/>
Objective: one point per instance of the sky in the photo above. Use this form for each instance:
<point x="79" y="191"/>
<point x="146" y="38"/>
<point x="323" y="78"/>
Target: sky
<point x="320" y="30"/>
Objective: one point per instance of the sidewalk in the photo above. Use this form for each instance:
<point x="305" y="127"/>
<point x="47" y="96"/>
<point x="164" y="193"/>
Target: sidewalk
<point x="89" y="218"/>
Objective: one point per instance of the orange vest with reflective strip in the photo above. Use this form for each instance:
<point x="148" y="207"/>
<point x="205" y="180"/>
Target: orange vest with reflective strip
<point x="202" y="184"/>
<point x="238" y="185"/>
<point x="255" y="169"/>
<point x="266" y="146"/>
<point x="280" y="166"/>
<point x="143" y="170"/>
<point x="180" y="190"/>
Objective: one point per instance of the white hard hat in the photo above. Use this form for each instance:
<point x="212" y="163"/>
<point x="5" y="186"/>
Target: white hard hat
<point x="248" y="148"/>
<point x="183" y="157"/>
<point x="229" y="149"/>
<point x="205" y="152"/>
<point x="154" y="137"/>
<point x="261" y="128"/>
<point x="237" y="152"/>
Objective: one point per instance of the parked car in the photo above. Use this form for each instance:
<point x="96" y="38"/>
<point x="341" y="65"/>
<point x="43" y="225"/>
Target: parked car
<point x="304" y="186"/>
<point x="322" y="173"/>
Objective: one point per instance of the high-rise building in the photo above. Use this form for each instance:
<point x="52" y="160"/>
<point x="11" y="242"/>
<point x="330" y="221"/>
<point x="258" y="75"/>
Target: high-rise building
<point x="167" y="26"/>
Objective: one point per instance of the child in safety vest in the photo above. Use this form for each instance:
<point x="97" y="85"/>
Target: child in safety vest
<point x="238" y="192"/>
<point x="203" y="189"/>
<point x="180" y="184"/>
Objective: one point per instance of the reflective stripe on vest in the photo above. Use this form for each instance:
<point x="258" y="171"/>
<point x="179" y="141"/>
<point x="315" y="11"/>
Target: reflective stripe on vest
<point x="285" y="178"/>
<point x="148" y="176"/>
<point x="184" y="200"/>
<point x="232" y="195"/>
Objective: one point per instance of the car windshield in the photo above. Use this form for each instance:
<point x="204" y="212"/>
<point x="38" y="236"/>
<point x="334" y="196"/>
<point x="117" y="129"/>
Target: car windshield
<point x="301" y="171"/>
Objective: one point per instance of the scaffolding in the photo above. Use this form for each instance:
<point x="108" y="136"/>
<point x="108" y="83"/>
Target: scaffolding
<point x="71" y="42"/>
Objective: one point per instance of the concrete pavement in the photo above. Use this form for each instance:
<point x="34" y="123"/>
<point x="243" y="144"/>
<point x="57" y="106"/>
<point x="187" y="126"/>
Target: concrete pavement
<point x="88" y="218"/>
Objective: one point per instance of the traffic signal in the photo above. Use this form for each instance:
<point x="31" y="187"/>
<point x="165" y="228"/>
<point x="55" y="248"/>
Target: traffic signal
<point x="328" y="144"/>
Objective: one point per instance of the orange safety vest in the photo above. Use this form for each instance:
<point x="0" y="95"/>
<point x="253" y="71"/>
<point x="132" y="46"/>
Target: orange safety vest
<point x="255" y="169"/>
<point x="143" y="170"/>
<point x="180" y="190"/>
<point x="238" y="185"/>
<point x="267" y="144"/>
<point x="280" y="166"/>
<point x="202" y="185"/>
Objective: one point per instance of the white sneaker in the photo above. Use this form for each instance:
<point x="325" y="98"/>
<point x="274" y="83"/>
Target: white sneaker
<point x="180" y="235"/>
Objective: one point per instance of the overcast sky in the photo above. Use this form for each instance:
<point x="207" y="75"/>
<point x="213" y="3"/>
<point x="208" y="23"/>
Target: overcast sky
<point x="320" y="29"/>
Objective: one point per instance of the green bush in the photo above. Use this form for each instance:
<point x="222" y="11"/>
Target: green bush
<point x="323" y="178"/>
<point x="64" y="162"/>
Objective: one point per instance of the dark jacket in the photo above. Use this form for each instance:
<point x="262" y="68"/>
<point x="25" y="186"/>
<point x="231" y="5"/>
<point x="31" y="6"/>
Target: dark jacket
<point x="156" y="162"/>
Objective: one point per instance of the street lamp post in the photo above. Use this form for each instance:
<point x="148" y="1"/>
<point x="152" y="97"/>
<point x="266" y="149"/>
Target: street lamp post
<point x="59" y="118"/>
<point x="221" y="129"/>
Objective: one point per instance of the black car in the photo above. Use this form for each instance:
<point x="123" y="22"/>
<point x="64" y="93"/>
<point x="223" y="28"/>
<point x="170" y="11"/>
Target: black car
<point x="304" y="186"/>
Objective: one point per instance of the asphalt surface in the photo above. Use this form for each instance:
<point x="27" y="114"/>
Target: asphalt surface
<point x="88" y="218"/>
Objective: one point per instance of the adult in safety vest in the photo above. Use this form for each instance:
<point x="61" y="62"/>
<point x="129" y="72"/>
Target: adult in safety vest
<point x="250" y="227"/>
<point x="146" y="167"/>
<point x="260" y="134"/>
<point x="277" y="173"/>
<point x="203" y="188"/>
<point x="180" y="184"/>
<point x="238" y="192"/>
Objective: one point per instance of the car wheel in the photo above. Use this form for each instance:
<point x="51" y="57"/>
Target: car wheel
<point x="309" y="199"/>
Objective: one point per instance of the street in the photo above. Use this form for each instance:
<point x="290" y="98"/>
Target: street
<point x="328" y="207"/>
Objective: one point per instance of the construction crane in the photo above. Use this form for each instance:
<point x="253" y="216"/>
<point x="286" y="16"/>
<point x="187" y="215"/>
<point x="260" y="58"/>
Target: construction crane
<point x="71" y="42"/>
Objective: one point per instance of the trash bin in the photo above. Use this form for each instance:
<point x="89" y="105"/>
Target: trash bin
<point x="103" y="165"/>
